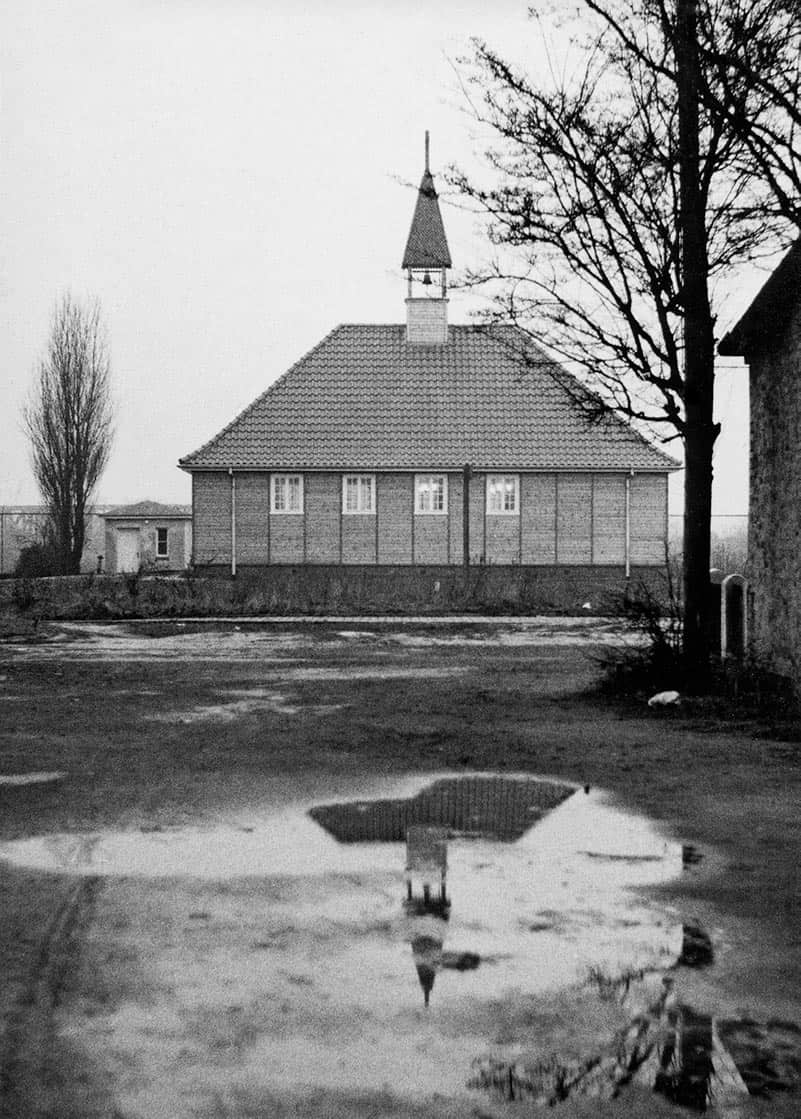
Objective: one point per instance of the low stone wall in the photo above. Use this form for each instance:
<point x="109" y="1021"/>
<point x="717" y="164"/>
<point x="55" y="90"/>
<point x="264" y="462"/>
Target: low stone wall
<point x="336" y="590"/>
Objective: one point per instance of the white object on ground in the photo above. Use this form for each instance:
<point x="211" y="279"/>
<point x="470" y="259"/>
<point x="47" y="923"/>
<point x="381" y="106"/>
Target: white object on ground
<point x="663" y="699"/>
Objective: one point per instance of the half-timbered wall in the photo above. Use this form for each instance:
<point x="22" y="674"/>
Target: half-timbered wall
<point x="564" y="519"/>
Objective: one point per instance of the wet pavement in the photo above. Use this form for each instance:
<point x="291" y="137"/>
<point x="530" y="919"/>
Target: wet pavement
<point x="429" y="937"/>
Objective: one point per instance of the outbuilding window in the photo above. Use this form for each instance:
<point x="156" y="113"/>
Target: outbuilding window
<point x="162" y="549"/>
<point x="287" y="493"/>
<point x="503" y="494"/>
<point x="358" y="493"/>
<point x="431" y="493"/>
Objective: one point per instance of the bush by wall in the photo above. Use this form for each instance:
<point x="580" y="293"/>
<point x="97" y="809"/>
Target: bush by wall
<point x="36" y="561"/>
<point x="335" y="590"/>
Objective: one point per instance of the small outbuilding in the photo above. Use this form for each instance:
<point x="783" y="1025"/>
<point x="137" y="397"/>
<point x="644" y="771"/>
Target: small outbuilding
<point x="768" y="336"/>
<point x="148" y="536"/>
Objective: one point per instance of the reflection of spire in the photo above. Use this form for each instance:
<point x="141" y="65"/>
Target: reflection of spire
<point x="427" y="952"/>
<point x="426" y="899"/>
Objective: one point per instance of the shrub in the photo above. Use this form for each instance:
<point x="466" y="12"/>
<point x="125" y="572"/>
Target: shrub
<point x="733" y="688"/>
<point x="37" y="561"/>
<point x="655" y="662"/>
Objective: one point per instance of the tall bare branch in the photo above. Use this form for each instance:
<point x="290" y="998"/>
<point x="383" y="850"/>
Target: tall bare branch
<point x="618" y="195"/>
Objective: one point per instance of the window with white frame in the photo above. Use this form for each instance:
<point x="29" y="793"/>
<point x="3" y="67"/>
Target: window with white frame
<point x="162" y="549"/>
<point x="358" y="493"/>
<point x="430" y="493"/>
<point x="503" y="494"/>
<point x="286" y="493"/>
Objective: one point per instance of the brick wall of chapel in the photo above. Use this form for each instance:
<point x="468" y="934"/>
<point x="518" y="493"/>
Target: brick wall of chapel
<point x="564" y="519"/>
<point x="774" y="530"/>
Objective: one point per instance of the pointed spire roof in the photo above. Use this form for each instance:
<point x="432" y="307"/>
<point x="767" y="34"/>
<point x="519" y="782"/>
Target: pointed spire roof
<point x="427" y="245"/>
<point x="427" y="952"/>
<point x="426" y="974"/>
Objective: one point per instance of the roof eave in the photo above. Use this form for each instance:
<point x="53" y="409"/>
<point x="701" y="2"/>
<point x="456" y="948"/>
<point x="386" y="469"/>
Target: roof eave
<point x="668" y="467"/>
<point x="732" y="344"/>
<point x="146" y="516"/>
<point x="771" y="302"/>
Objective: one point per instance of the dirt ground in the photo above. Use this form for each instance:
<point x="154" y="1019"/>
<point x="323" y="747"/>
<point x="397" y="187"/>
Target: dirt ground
<point x="148" y="729"/>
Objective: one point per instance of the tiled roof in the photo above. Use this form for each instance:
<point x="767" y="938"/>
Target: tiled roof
<point x="427" y="245"/>
<point x="364" y="398"/>
<point x="148" y="509"/>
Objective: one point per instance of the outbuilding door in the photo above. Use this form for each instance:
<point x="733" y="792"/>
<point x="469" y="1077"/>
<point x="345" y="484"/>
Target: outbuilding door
<point x="127" y="549"/>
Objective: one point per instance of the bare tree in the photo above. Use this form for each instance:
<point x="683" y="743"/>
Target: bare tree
<point x="69" y="420"/>
<point x="749" y="77"/>
<point x="622" y="193"/>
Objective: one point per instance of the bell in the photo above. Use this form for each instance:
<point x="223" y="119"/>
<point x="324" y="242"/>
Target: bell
<point x="427" y="279"/>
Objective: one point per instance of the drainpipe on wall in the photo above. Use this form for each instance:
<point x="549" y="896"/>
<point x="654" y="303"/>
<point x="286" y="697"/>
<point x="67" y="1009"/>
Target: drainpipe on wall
<point x="233" y="521"/>
<point x="629" y="476"/>
<point x="467" y="474"/>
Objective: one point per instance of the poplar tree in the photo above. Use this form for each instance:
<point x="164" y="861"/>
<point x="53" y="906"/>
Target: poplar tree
<point x="69" y="422"/>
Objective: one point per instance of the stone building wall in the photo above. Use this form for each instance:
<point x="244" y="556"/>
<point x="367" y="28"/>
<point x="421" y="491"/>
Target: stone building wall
<point x="774" y="534"/>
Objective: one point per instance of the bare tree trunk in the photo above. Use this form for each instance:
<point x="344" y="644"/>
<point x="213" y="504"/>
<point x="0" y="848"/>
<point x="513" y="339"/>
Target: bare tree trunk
<point x="77" y="536"/>
<point x="699" y="350"/>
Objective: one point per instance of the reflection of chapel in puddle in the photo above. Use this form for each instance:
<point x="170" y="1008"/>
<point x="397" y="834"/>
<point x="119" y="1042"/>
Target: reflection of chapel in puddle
<point x="427" y="903"/>
<point x="472" y="806"/>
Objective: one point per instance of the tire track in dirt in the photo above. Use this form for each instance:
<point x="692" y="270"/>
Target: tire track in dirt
<point x="27" y="1088"/>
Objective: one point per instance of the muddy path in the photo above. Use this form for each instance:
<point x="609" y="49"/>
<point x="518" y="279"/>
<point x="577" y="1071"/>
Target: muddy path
<point x="32" y="1081"/>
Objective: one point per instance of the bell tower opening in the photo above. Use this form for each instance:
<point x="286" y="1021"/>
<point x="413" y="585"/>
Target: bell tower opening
<point x="426" y="261"/>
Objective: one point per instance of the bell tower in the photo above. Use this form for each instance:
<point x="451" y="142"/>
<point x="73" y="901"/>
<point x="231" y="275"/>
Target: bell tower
<point x="427" y="260"/>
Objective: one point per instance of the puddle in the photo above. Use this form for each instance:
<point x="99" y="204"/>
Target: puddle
<point x="667" y="1048"/>
<point x="377" y="672"/>
<point x="572" y="632"/>
<point x="576" y="833"/>
<point x="448" y="935"/>
<point x="31" y="778"/>
<point x="510" y="860"/>
<point x="279" y="641"/>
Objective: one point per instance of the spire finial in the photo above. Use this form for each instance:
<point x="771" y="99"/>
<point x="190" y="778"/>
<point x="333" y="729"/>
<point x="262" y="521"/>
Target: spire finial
<point x="427" y="167"/>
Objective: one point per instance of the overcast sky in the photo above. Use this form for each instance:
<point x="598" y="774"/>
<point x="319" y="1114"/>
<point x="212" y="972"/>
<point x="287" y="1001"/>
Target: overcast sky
<point x="230" y="179"/>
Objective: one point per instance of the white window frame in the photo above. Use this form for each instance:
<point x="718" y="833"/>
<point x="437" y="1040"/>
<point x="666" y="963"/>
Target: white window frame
<point x="165" y="554"/>
<point x="423" y="494"/>
<point x="363" y="486"/>
<point x="497" y="486"/>
<point x="281" y="493"/>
